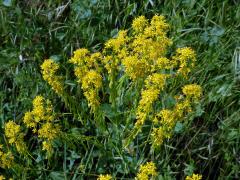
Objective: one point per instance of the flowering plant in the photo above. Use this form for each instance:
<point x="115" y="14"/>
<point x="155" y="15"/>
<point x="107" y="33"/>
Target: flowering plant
<point x="134" y="83"/>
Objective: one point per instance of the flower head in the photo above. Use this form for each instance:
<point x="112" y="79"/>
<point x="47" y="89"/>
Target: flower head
<point x="49" y="70"/>
<point x="104" y="177"/>
<point x="192" y="91"/>
<point x="147" y="170"/>
<point x="194" y="177"/>
<point x="15" y="136"/>
<point x="6" y="159"/>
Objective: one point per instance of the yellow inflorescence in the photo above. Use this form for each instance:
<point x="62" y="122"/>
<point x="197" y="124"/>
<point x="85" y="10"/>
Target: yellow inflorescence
<point x="15" y="136"/>
<point x="47" y="146"/>
<point x="79" y="56"/>
<point x="6" y="159"/>
<point x="49" y="70"/>
<point x="149" y="96"/>
<point x="135" y="68"/>
<point x="104" y="177"/>
<point x="139" y="24"/>
<point x="163" y="63"/>
<point x="117" y="43"/>
<point x="192" y="91"/>
<point x="91" y="84"/>
<point x="146" y="171"/>
<point x="153" y="84"/>
<point x="41" y="120"/>
<point x="88" y="72"/>
<point x="147" y="44"/>
<point x="194" y="177"/>
<point x="185" y="58"/>
<point x="155" y="81"/>
<point x="145" y="58"/>
<point x="2" y="177"/>
<point x="166" y="119"/>
<point x="140" y="54"/>
<point x="42" y="111"/>
<point x="158" y="136"/>
<point x="48" y="131"/>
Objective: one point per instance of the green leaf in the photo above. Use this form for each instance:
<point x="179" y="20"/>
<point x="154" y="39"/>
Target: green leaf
<point x="7" y="3"/>
<point x="178" y="128"/>
<point x="57" y="175"/>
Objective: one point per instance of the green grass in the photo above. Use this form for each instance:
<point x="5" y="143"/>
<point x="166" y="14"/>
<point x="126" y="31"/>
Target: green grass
<point x="38" y="30"/>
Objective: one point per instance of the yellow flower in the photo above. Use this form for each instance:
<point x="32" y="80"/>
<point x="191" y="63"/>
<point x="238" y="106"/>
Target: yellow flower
<point x="6" y="159"/>
<point x="192" y="91"/>
<point x="15" y="136"/>
<point x="94" y="60"/>
<point x="156" y="81"/>
<point x="41" y="120"/>
<point x="29" y="120"/>
<point x="49" y="69"/>
<point x="148" y="97"/>
<point x="79" y="56"/>
<point x="91" y="84"/>
<point x="104" y="177"/>
<point x="49" y="131"/>
<point x="47" y="146"/>
<point x="154" y="84"/>
<point x="167" y="118"/>
<point x="164" y="63"/>
<point x="135" y="68"/>
<point x="147" y="170"/>
<point x="2" y="177"/>
<point x="181" y="108"/>
<point x="194" y="177"/>
<point x="92" y="80"/>
<point x="186" y="58"/>
<point x="159" y="24"/>
<point x="38" y="108"/>
<point x="88" y="72"/>
<point x="117" y="43"/>
<point x="139" y="24"/>
<point x="185" y="53"/>
<point x="157" y="136"/>
<point x="80" y="72"/>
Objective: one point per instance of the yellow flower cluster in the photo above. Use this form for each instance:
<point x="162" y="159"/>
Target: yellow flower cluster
<point x="153" y="84"/>
<point x="150" y="40"/>
<point x="135" y="68"/>
<point x="147" y="43"/>
<point x="42" y="111"/>
<point x="163" y="63"/>
<point x="147" y="170"/>
<point x="139" y="24"/>
<point x="88" y="72"/>
<point x="104" y="177"/>
<point x="2" y="177"/>
<point x="185" y="58"/>
<point x="49" y="70"/>
<point x="15" y="136"/>
<point x="167" y="119"/>
<point x="142" y="53"/>
<point x="91" y="83"/>
<point x="194" y="177"/>
<point x="6" y="159"/>
<point x="118" y="43"/>
<point x="192" y="91"/>
<point x="41" y="120"/>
